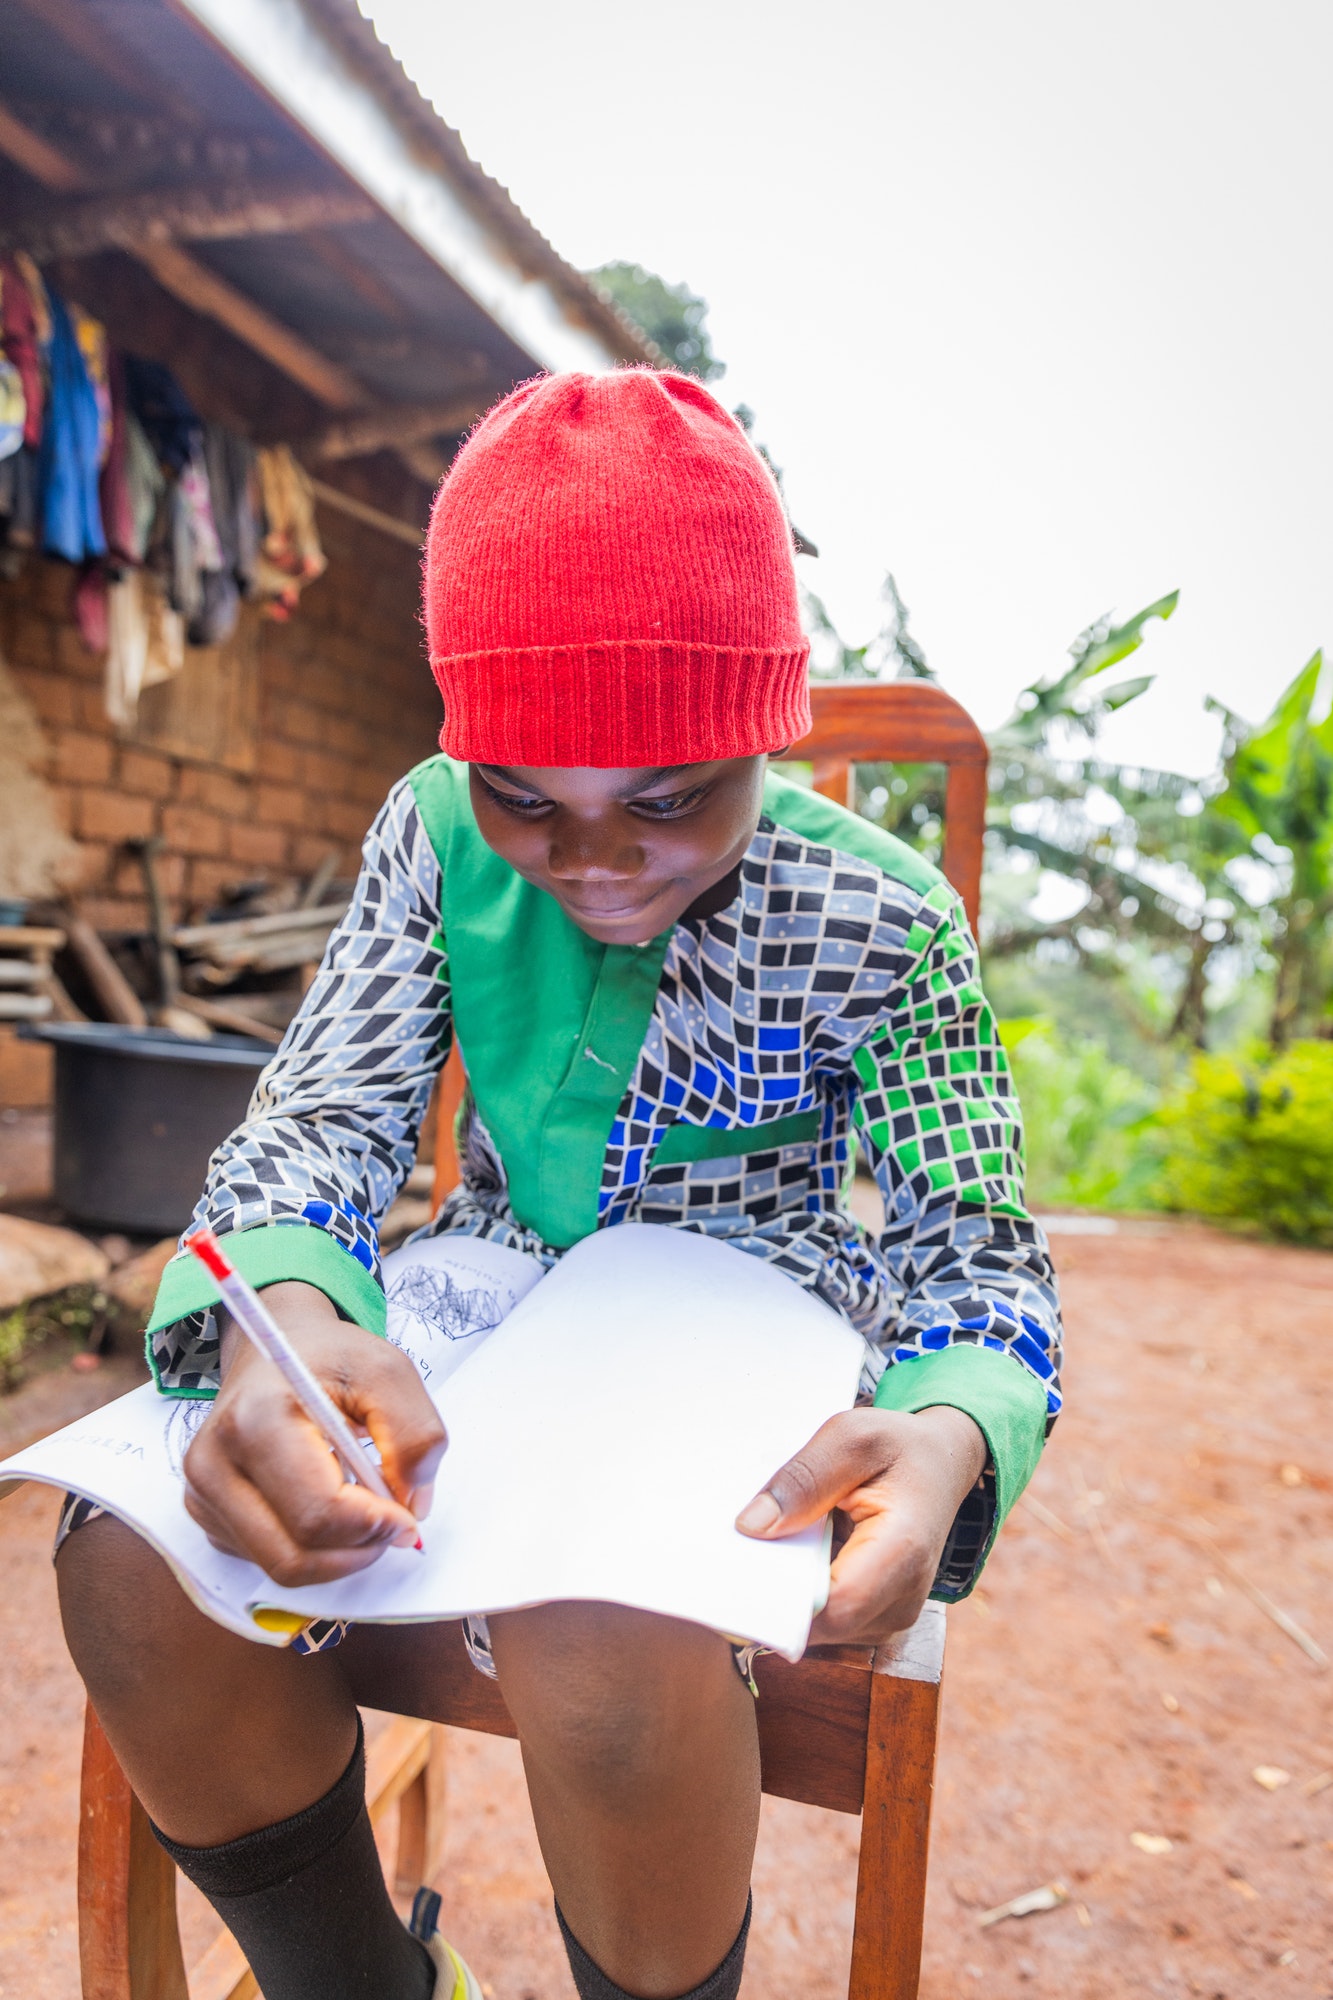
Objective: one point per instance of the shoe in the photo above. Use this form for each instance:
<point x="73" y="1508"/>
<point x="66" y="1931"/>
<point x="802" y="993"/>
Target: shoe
<point x="454" y="1977"/>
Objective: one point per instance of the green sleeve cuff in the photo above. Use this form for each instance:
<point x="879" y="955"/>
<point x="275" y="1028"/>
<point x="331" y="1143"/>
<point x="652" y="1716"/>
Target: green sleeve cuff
<point x="1007" y="1404"/>
<point x="266" y="1256"/>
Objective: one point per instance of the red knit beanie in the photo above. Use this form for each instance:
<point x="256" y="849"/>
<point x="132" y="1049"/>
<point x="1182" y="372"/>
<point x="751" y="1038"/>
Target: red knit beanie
<point x="609" y="581"/>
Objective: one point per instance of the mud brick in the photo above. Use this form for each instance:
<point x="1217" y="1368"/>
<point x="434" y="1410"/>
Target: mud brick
<point x="279" y="761"/>
<point x="258" y="846"/>
<point x="112" y="816"/>
<point x="115" y="914"/>
<point x="208" y="881"/>
<point x="81" y="758"/>
<point x="52" y="697"/>
<point x="219" y="791"/>
<point x="191" y="830"/>
<point x="148" y="775"/>
<point x="280" y="805"/>
<point x="125" y="876"/>
<point x="347" y="819"/>
<point x="309" y="850"/>
<point x="73" y="657"/>
<point x="30" y="642"/>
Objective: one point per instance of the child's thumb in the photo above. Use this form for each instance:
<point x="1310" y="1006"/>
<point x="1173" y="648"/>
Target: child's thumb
<point x="838" y="1458"/>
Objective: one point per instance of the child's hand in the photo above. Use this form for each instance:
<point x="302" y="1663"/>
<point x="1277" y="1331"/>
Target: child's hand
<point x="900" y="1480"/>
<point x="262" y="1482"/>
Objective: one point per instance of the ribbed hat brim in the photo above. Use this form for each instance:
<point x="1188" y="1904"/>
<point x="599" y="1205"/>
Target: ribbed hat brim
<point x="621" y="703"/>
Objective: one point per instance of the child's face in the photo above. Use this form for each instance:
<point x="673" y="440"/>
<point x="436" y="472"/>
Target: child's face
<point x="624" y="853"/>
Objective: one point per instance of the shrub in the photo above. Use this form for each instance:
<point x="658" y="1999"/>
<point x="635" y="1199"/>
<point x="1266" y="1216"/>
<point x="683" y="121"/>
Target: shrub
<point x="1250" y="1140"/>
<point x="1088" y="1122"/>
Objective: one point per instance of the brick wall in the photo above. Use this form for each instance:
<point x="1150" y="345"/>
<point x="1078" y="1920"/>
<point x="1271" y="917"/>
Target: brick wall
<point x="346" y="705"/>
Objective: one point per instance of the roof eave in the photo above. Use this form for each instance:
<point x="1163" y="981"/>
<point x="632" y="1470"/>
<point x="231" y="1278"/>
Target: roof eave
<point x="322" y="64"/>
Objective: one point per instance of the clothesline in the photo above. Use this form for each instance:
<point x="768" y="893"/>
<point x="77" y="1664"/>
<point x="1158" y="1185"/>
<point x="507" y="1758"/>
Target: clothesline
<point x="171" y="521"/>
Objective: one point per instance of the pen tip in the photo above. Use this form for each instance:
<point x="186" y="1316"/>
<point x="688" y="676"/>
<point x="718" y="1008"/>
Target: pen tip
<point x="419" y="1546"/>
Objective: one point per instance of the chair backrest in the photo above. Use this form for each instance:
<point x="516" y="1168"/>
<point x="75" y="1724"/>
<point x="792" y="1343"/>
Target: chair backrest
<point x="905" y="722"/>
<point x="855" y="722"/>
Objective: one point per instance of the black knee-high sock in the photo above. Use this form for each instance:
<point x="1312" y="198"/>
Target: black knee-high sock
<point x="721" y="1984"/>
<point x="307" y="1904"/>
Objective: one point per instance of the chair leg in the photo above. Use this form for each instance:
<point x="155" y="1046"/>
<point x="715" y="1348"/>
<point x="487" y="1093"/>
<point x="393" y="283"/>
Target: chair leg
<point x="129" y="1943"/>
<point x="421" y="1820"/>
<point x="895" y="1839"/>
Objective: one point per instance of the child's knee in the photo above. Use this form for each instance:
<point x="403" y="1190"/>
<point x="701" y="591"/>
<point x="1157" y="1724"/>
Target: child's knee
<point x="122" y="1609"/>
<point x="613" y="1695"/>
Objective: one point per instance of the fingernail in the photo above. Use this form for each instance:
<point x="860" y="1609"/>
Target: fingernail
<point x="762" y="1514"/>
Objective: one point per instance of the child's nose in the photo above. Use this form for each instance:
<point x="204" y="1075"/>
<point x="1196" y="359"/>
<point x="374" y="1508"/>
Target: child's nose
<point x="587" y="856"/>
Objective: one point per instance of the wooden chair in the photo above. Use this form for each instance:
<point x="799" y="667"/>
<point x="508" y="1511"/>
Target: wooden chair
<point x="851" y="1728"/>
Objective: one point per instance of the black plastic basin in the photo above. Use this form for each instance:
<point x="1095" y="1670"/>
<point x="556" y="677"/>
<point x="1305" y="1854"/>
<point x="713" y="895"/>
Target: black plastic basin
<point x="138" y="1111"/>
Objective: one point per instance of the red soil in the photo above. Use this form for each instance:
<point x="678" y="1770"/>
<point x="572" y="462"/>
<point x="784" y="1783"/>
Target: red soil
<point x="1199" y="1390"/>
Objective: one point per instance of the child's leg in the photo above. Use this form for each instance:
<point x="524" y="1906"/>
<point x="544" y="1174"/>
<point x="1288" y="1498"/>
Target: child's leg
<point x="247" y="1759"/>
<point x="642" y="1758"/>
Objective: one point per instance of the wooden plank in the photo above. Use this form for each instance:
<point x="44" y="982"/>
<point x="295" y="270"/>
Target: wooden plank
<point x="448" y="1097"/>
<point x="117" y="997"/>
<point x="918" y="1653"/>
<point x="895" y="1839"/>
<point x="423" y="1671"/>
<point x="395" y="1754"/>
<point x="129" y="1945"/>
<point x="905" y="722"/>
<point x="204" y="292"/>
<point x="421" y="1819"/>
<point x="965" y="834"/>
<point x="46" y="163"/>
<point x="407" y="423"/>
<point x="190" y="214"/>
<point x="812" y="1725"/>
<point x="31" y="937"/>
<point x="370" y="517"/>
<point x="79" y="28"/>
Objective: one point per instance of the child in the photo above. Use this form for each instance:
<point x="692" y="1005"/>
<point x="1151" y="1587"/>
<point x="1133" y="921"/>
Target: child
<point x="679" y="982"/>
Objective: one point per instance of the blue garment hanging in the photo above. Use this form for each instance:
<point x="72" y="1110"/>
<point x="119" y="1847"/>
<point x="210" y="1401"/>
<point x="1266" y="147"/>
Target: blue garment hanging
<point x="71" y="513"/>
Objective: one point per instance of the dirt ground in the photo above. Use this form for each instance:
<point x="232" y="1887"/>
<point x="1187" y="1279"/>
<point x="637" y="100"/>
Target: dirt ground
<point x="1113" y="1677"/>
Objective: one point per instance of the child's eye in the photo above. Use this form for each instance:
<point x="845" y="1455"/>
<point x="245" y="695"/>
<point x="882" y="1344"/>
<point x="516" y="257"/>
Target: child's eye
<point x="527" y="804"/>
<point x="672" y="808"/>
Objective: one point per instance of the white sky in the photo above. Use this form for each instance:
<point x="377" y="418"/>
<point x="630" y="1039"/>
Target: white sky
<point x="1032" y="300"/>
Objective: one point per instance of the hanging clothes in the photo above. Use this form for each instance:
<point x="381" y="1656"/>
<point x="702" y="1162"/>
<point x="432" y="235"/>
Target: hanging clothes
<point x="145" y="484"/>
<point x="118" y="523"/>
<point x="13" y="409"/>
<point x="18" y="509"/>
<point x="291" y="555"/>
<point x="23" y="318"/>
<point x="169" y="419"/>
<point x="71" y="515"/>
<point x="145" y="643"/>
<point x="88" y="601"/>
<point x="92" y="343"/>
<point x="234" y="484"/>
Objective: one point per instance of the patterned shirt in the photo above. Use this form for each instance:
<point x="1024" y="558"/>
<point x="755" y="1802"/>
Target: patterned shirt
<point x="835" y="1004"/>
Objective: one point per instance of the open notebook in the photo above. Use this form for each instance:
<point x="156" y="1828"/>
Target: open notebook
<point x="607" y="1421"/>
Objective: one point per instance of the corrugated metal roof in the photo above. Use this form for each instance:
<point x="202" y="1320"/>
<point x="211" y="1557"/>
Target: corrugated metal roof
<point x="159" y="101"/>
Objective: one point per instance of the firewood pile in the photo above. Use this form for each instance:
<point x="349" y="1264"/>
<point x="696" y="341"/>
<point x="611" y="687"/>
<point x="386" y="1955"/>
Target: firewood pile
<point x="239" y="970"/>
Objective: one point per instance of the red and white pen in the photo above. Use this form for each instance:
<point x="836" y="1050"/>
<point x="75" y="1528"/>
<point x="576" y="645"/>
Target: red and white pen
<point x="254" y="1319"/>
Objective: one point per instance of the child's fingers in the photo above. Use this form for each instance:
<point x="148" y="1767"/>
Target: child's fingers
<point x="240" y="1520"/>
<point x="265" y="1463"/>
<point x="841" y="1456"/>
<point x="388" y="1397"/>
<point x="879" y="1581"/>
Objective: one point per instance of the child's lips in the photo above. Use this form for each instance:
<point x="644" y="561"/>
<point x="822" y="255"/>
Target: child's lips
<point x="601" y="913"/>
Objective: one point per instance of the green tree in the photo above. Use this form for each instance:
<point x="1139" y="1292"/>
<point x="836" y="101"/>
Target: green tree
<point x="673" y="317"/>
<point x="1279" y="795"/>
